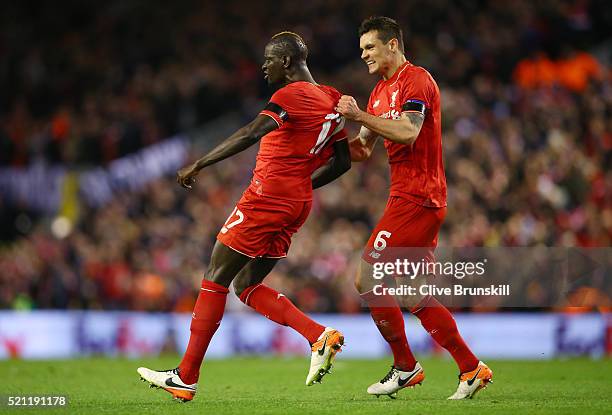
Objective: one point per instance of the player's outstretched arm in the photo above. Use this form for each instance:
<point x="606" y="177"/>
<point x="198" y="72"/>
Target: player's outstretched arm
<point x="402" y="131"/>
<point x="339" y="164"/>
<point x="362" y="145"/>
<point x="234" y="144"/>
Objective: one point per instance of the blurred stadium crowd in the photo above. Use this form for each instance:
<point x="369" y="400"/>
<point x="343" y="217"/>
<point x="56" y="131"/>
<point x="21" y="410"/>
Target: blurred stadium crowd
<point x="527" y="136"/>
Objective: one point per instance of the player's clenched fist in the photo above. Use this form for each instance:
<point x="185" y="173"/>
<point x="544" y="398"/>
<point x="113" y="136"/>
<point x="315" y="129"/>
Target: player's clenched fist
<point x="186" y="176"/>
<point x="348" y="107"/>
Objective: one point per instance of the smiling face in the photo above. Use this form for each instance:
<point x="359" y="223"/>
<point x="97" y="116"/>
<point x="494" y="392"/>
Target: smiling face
<point x="377" y="54"/>
<point x="273" y="66"/>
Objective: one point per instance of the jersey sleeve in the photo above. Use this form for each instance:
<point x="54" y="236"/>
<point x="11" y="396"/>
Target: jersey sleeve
<point x="416" y="92"/>
<point x="278" y="106"/>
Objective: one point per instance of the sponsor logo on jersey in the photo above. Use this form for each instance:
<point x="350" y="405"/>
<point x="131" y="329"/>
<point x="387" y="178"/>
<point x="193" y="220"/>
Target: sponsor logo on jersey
<point x="391" y="114"/>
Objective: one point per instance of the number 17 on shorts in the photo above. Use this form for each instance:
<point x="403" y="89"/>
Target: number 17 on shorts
<point x="237" y="217"/>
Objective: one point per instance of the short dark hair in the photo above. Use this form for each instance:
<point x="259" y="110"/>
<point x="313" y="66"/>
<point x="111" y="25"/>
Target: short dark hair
<point x="290" y="44"/>
<point x="386" y="27"/>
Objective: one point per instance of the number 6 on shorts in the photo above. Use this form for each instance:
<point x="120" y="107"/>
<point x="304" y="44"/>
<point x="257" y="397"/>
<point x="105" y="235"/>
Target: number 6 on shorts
<point x="380" y="243"/>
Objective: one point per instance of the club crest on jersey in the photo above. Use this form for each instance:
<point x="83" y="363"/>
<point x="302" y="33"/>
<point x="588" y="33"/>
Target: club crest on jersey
<point x="393" y="96"/>
<point x="374" y="254"/>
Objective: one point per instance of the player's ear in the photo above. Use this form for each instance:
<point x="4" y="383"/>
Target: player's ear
<point x="393" y="45"/>
<point x="286" y="61"/>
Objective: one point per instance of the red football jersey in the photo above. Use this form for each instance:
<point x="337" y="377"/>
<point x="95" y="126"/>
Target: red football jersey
<point x="289" y="155"/>
<point x="417" y="171"/>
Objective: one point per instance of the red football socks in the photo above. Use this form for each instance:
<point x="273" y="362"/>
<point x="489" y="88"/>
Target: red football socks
<point x="441" y="325"/>
<point x="390" y="322"/>
<point x="207" y="315"/>
<point x="278" y="308"/>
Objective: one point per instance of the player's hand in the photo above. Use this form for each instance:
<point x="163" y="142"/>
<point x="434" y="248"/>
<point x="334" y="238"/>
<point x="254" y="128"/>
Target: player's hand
<point x="186" y="176"/>
<point x="348" y="107"/>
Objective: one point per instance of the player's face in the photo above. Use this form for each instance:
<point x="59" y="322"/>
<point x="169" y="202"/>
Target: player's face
<point x="376" y="54"/>
<point x="273" y="68"/>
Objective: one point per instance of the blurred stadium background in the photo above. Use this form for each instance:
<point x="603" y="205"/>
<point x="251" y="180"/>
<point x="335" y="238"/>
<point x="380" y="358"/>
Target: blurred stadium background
<point x="100" y="102"/>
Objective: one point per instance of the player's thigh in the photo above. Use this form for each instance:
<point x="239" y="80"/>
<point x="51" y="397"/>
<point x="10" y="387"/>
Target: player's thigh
<point x="225" y="264"/>
<point x="253" y="273"/>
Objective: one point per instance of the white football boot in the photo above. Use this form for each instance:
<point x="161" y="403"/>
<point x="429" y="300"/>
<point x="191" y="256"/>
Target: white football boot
<point x="397" y="379"/>
<point x="323" y="354"/>
<point x="170" y="381"/>
<point x="471" y="382"/>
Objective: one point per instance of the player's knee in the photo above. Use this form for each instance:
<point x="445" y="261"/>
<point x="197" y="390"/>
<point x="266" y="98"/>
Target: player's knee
<point x="357" y="283"/>
<point x="243" y="292"/>
<point x="240" y="285"/>
<point x="238" y="290"/>
<point x="220" y="273"/>
<point x="211" y="275"/>
<point x="363" y="280"/>
<point x="408" y="302"/>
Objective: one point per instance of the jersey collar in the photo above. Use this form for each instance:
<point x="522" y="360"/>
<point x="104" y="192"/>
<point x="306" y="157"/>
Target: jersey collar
<point x="399" y="70"/>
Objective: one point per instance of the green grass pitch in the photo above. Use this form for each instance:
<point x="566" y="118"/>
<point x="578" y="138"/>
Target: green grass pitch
<point x="276" y="386"/>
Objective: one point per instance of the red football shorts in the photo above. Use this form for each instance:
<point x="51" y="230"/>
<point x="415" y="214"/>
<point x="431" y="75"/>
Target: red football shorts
<point x="406" y="229"/>
<point x="262" y="226"/>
